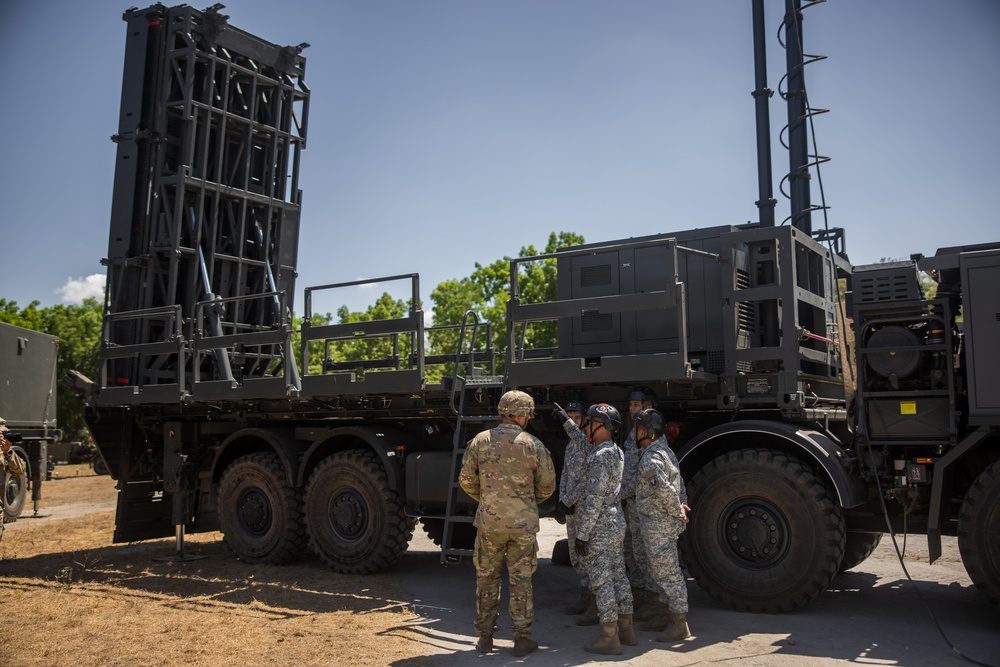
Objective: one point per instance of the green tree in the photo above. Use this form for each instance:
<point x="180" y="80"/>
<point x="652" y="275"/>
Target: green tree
<point x="375" y="348"/>
<point x="486" y="293"/>
<point x="29" y="317"/>
<point x="315" y="347"/>
<point x="78" y="328"/>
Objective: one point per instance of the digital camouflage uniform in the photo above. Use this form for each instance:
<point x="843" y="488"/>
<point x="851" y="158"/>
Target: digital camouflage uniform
<point x="600" y="522"/>
<point x="509" y="472"/>
<point x="659" y="494"/>
<point x="636" y="563"/>
<point x="14" y="465"/>
<point x="571" y="485"/>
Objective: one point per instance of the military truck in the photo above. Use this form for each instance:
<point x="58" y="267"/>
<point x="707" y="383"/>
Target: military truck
<point x="28" y="403"/>
<point x="210" y="421"/>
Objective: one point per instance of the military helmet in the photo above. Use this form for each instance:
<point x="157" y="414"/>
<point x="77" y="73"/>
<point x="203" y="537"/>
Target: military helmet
<point x="516" y="404"/>
<point x="574" y="406"/>
<point x="652" y="421"/>
<point x="606" y="414"/>
<point x="642" y="394"/>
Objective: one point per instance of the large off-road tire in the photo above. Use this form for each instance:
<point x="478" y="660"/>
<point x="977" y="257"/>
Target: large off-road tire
<point x="260" y="513"/>
<point x="857" y="548"/>
<point x="100" y="467"/>
<point x="463" y="535"/>
<point x="15" y="491"/>
<point x="355" y="520"/>
<point x="979" y="532"/>
<point x="765" y="533"/>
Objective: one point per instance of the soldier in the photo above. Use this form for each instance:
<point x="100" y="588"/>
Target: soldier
<point x="11" y="463"/>
<point x="600" y="531"/>
<point x="661" y="499"/>
<point x="644" y="591"/>
<point x="569" y="490"/>
<point x="509" y="472"/>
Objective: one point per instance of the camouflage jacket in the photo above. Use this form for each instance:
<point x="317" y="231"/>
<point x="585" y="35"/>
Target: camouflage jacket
<point x="660" y="490"/>
<point x="598" y="502"/>
<point x="573" y="464"/>
<point x="631" y="469"/>
<point x="509" y="472"/>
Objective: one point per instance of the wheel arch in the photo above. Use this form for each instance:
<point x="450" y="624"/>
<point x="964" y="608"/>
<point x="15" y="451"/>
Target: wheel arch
<point x="250" y="440"/>
<point x="813" y="447"/>
<point x="383" y="441"/>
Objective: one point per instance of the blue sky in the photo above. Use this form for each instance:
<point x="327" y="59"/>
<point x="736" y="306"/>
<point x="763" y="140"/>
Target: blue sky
<point x="446" y="132"/>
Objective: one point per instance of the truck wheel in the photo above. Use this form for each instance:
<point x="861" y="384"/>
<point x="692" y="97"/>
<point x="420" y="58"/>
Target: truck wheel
<point x="979" y="532"/>
<point x="15" y="490"/>
<point x="100" y="467"/>
<point x="463" y="535"/>
<point x="355" y="520"/>
<point x="765" y="534"/>
<point x="857" y="548"/>
<point x="260" y="513"/>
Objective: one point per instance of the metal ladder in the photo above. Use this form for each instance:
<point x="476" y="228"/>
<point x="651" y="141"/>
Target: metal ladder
<point x="469" y="391"/>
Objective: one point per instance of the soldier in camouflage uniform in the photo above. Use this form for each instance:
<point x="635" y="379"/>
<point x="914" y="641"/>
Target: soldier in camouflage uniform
<point x="508" y="471"/>
<point x="11" y="463"/>
<point x="644" y="590"/>
<point x="663" y="514"/>
<point x="569" y="491"/>
<point x="600" y="532"/>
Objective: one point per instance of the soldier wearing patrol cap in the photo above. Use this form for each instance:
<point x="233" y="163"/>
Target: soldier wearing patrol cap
<point x="509" y="472"/>
<point x="11" y="463"/>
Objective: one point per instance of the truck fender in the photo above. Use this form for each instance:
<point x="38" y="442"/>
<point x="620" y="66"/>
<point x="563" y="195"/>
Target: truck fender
<point x="811" y="446"/>
<point x="383" y="441"/>
<point x="249" y="440"/>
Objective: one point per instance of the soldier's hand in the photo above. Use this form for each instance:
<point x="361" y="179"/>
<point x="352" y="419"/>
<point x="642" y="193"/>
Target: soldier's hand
<point x="559" y="413"/>
<point x="685" y="510"/>
<point x="565" y="509"/>
<point x="581" y="547"/>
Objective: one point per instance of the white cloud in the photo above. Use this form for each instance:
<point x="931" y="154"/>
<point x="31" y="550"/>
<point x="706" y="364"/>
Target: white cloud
<point x="77" y="289"/>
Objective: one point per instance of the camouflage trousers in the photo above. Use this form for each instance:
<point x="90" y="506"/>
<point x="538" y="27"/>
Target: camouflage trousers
<point x="661" y="547"/>
<point x="640" y="574"/>
<point x="575" y="560"/>
<point x="605" y="564"/>
<point x="520" y="550"/>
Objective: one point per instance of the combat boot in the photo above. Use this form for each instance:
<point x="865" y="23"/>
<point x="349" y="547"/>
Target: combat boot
<point x="607" y="643"/>
<point x="659" y="621"/>
<point x="676" y="630"/>
<point x="580" y="605"/>
<point x="626" y="633"/>
<point x="523" y="646"/>
<point x="590" y="616"/>
<point x="648" y="609"/>
<point x="485" y="644"/>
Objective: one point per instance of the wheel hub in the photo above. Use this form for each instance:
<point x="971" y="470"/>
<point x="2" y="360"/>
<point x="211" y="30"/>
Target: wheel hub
<point x="755" y="532"/>
<point x="255" y="511"/>
<point x="348" y="514"/>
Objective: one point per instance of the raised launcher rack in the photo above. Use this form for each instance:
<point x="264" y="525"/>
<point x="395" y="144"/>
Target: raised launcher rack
<point x="205" y="219"/>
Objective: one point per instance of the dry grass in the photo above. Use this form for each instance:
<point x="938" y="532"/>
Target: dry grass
<point x="88" y="602"/>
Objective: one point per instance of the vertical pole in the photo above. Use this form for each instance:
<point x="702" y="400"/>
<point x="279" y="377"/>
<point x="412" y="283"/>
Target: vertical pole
<point x="798" y="137"/>
<point x="761" y="95"/>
